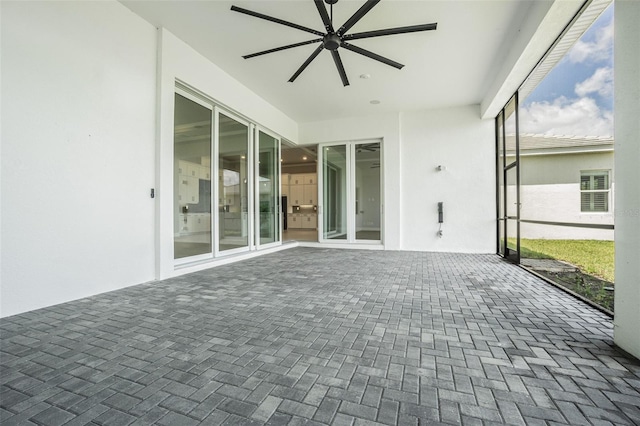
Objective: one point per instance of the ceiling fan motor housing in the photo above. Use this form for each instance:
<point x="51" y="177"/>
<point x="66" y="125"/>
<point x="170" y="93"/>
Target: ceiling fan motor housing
<point x="331" y="1"/>
<point x="331" y="41"/>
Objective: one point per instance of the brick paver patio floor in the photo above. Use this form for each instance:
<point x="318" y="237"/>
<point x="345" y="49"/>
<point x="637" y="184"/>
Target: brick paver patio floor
<point x="320" y="336"/>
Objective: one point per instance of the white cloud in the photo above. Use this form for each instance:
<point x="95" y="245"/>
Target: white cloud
<point x="600" y="82"/>
<point x="594" y="51"/>
<point x="577" y="117"/>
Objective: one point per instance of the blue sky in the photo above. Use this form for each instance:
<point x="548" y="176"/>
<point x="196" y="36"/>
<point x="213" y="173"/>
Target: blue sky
<point x="576" y="97"/>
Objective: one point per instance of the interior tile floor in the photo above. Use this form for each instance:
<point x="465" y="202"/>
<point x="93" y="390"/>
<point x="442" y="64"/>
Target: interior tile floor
<point x="294" y="234"/>
<point x="319" y="336"/>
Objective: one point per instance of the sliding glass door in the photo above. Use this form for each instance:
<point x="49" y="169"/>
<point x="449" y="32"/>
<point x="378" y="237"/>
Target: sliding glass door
<point x="268" y="184"/>
<point x="233" y="183"/>
<point x="192" y="178"/>
<point x="351" y="192"/>
<point x="226" y="179"/>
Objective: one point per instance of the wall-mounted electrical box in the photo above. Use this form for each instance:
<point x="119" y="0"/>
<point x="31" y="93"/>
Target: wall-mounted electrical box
<point x="440" y="212"/>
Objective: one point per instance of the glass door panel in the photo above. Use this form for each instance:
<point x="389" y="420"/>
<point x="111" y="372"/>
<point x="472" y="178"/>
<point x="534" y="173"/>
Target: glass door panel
<point x="192" y="178"/>
<point x="268" y="185"/>
<point x="367" y="191"/>
<point x="334" y="182"/>
<point x="233" y="183"/>
<point x="512" y="212"/>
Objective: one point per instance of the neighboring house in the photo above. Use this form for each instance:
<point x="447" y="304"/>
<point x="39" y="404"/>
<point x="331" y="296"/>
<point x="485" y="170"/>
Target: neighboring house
<point x="565" y="179"/>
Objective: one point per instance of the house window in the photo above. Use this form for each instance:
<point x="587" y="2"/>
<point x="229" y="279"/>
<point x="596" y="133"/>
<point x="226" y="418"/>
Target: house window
<point x="594" y="191"/>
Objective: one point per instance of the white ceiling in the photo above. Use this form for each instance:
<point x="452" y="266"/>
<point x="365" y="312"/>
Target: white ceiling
<point x="451" y="66"/>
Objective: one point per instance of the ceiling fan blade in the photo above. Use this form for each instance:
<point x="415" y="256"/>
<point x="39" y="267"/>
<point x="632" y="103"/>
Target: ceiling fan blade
<point x="357" y="16"/>
<point x="306" y="63"/>
<point x="277" y="49"/>
<point x="371" y="55"/>
<point x="341" y="71"/>
<point x="391" y="31"/>
<point x="276" y="20"/>
<point x="324" y="15"/>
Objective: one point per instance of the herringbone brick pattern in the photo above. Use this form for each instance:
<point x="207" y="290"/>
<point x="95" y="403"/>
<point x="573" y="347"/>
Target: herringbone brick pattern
<point x="320" y="336"/>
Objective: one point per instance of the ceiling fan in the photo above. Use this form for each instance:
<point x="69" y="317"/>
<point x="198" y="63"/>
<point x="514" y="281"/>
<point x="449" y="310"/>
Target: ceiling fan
<point x="333" y="39"/>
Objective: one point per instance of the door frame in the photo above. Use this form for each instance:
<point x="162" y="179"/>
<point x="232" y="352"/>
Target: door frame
<point x="184" y="92"/>
<point x="216" y="191"/>
<point x="256" y="160"/>
<point x="512" y="167"/>
<point x="350" y="159"/>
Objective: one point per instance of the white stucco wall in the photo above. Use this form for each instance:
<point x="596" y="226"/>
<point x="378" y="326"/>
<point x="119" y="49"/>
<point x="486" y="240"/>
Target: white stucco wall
<point x="78" y="95"/>
<point x="627" y="157"/>
<point x="464" y="145"/>
<point x="414" y="144"/>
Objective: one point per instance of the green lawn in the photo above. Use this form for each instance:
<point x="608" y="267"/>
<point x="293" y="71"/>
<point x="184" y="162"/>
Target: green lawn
<point x="591" y="256"/>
